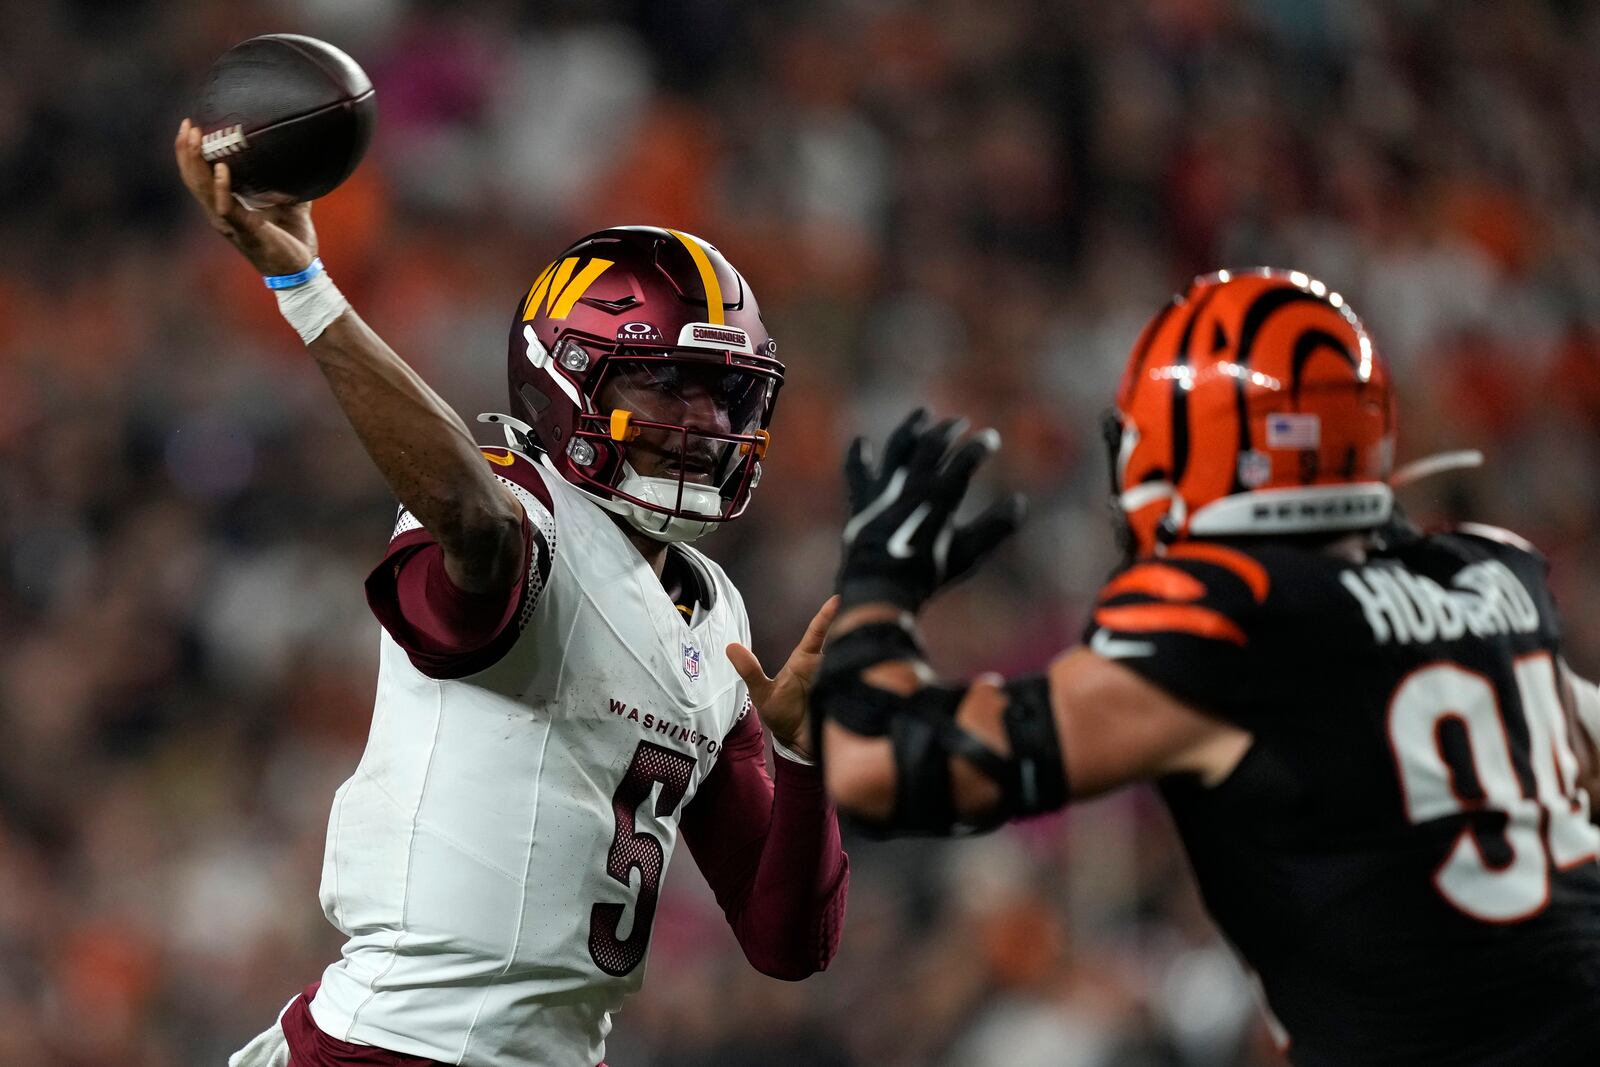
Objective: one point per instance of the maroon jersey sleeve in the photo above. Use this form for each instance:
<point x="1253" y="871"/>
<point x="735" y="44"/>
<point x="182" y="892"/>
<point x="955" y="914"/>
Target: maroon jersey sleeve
<point x="448" y="632"/>
<point x="771" y="854"/>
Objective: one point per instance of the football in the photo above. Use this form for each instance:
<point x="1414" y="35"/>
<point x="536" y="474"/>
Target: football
<point x="290" y="115"/>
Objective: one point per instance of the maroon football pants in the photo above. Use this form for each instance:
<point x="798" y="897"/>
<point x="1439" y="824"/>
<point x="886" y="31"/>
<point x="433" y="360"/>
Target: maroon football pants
<point x="310" y="1047"/>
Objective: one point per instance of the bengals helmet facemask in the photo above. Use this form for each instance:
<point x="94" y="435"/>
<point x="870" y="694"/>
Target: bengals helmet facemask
<point x="1253" y="404"/>
<point x="644" y="347"/>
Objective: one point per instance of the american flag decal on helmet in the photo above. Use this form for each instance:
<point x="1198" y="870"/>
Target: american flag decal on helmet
<point x="1293" y="430"/>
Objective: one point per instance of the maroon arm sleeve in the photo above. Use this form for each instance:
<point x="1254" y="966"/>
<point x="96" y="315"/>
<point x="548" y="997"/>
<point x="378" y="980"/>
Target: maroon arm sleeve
<point x="445" y="631"/>
<point x="771" y="855"/>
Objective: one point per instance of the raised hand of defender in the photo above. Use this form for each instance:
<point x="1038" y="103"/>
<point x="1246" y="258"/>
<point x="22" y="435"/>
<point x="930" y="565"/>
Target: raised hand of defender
<point x="902" y="542"/>
<point x="782" y="701"/>
<point x="276" y="240"/>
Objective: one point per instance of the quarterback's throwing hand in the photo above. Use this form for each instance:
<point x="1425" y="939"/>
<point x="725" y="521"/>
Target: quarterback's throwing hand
<point x="276" y="240"/>
<point x="902" y="542"/>
<point x="781" y="702"/>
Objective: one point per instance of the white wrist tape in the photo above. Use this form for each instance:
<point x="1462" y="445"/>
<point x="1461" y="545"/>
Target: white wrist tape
<point x="790" y="754"/>
<point x="312" y="307"/>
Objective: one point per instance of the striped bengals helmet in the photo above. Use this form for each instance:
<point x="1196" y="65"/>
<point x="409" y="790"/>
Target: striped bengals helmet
<point x="1254" y="403"/>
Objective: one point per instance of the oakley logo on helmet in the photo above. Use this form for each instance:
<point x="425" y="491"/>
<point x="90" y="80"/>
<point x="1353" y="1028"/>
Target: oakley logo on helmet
<point x="639" y="333"/>
<point x="557" y="290"/>
<point x="706" y="335"/>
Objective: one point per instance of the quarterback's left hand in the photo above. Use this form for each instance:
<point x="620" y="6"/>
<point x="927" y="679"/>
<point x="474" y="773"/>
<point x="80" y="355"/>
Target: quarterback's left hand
<point x="782" y="701"/>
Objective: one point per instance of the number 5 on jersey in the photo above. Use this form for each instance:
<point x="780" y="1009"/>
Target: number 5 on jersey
<point x="633" y="849"/>
<point x="1442" y="694"/>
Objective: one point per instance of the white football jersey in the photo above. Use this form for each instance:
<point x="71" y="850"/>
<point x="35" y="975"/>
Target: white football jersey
<point x="496" y="857"/>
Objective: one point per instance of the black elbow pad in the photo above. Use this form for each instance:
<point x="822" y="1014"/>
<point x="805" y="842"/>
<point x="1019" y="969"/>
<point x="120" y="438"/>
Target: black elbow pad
<point x="1039" y="773"/>
<point x="924" y="735"/>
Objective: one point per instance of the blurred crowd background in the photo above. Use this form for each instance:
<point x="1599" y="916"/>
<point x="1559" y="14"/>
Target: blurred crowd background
<point x="970" y="203"/>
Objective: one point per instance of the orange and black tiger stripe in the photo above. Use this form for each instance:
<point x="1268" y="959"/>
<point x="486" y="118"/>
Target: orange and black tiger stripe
<point x="1176" y="595"/>
<point x="1228" y="353"/>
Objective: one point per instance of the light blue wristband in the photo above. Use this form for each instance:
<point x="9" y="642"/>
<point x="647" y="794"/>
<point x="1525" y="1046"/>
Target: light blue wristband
<point x="293" y="281"/>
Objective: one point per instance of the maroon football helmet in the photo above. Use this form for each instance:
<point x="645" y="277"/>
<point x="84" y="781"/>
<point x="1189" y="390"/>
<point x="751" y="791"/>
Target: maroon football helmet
<point x="648" y="335"/>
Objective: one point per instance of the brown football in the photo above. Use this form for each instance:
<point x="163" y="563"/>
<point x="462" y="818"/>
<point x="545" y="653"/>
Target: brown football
<point x="290" y="115"/>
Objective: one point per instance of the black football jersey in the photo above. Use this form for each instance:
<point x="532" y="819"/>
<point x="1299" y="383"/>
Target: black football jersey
<point x="1403" y="857"/>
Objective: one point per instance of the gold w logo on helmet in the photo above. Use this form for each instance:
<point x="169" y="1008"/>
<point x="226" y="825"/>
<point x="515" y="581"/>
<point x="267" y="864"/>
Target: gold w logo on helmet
<point x="558" y="290"/>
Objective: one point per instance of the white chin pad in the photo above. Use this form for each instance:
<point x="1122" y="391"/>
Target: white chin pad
<point x="663" y="492"/>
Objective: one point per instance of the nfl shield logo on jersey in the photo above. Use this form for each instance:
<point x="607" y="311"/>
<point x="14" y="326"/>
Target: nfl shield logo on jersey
<point x="691" y="662"/>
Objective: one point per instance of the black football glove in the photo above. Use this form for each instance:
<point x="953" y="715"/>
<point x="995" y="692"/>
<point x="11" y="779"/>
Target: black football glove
<point x="902" y="542"/>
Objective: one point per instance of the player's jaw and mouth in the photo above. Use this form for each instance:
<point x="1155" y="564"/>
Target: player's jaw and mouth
<point x="698" y="464"/>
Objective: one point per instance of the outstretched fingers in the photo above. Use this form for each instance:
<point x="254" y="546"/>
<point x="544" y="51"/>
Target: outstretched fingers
<point x="858" y="472"/>
<point x="934" y="444"/>
<point x="903" y="440"/>
<point x="957" y="472"/>
<point x="749" y="667"/>
<point x="817" y="631"/>
<point x="975" y="540"/>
